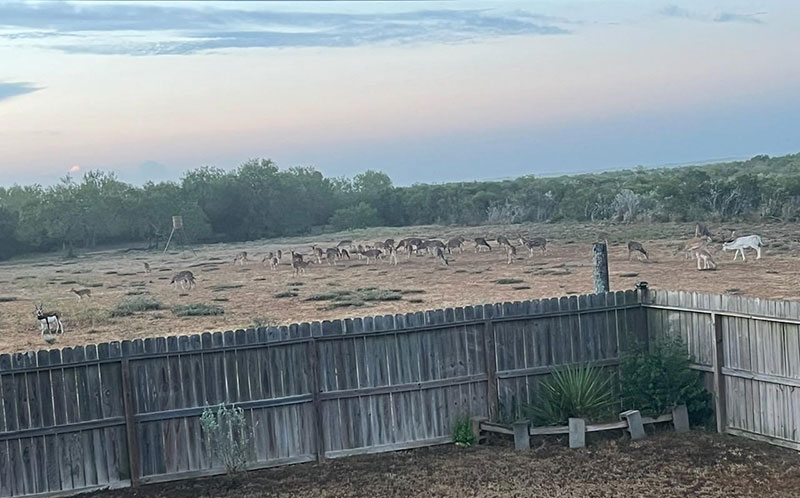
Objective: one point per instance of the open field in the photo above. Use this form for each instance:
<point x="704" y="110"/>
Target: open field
<point x="694" y="464"/>
<point x="254" y="295"/>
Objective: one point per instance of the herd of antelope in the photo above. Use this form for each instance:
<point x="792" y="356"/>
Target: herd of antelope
<point x="698" y="248"/>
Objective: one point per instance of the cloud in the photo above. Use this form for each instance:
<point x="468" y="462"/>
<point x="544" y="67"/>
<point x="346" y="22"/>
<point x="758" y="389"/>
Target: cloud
<point x="721" y="17"/>
<point x="14" y="89"/>
<point x="147" y="29"/>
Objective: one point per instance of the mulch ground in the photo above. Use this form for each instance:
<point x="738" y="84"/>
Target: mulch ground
<point x="698" y="464"/>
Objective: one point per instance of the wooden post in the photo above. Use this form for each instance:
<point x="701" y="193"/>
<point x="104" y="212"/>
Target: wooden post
<point x="720" y="411"/>
<point x="600" y="265"/>
<point x="491" y="370"/>
<point x="313" y="362"/>
<point x="130" y="424"/>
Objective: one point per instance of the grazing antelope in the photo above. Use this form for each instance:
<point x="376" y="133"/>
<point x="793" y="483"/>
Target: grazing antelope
<point x="273" y="262"/>
<point x="331" y="255"/>
<point x="299" y="266"/>
<point x="742" y="243"/>
<point x="147" y="269"/>
<point x="49" y="321"/>
<point x="360" y="251"/>
<point x="439" y="251"/>
<point x="279" y="254"/>
<point x="392" y="254"/>
<point x="454" y="244"/>
<point x="691" y="246"/>
<point x="431" y="245"/>
<point x="81" y="293"/>
<point x="375" y="254"/>
<point x="701" y="230"/>
<point x="704" y="259"/>
<point x="502" y="240"/>
<point x="530" y="244"/>
<point x="345" y="254"/>
<point x="344" y="243"/>
<point x="388" y="243"/>
<point x="511" y="252"/>
<point x="184" y="278"/>
<point x="318" y="253"/>
<point x="481" y="242"/>
<point x="636" y="246"/>
<point x="295" y="256"/>
<point x="268" y="258"/>
<point x="241" y="258"/>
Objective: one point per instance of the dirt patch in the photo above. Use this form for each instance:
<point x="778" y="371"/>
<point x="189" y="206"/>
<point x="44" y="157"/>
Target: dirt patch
<point x="469" y="280"/>
<point x="668" y="465"/>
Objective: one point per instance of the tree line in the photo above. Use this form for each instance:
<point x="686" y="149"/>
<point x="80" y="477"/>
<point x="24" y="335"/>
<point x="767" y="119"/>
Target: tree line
<point x="259" y="200"/>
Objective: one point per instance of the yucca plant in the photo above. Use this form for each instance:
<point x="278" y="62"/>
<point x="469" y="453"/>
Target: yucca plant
<point x="580" y="391"/>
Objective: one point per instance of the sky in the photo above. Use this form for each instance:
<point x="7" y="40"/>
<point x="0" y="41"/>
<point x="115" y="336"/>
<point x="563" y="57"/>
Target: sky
<point x="426" y="91"/>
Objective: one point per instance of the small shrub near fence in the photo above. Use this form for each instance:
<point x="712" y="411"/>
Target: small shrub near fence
<point x="228" y="437"/>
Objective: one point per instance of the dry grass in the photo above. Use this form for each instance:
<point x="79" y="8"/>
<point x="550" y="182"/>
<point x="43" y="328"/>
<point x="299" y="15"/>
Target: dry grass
<point x="255" y="290"/>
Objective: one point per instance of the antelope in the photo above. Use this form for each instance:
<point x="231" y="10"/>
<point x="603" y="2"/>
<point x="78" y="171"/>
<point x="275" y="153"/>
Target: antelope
<point x="318" y="253"/>
<point x="241" y="258"/>
<point x="343" y="243"/>
<point x="704" y="259"/>
<point x="511" y="252"/>
<point x="432" y="245"/>
<point x="503" y="241"/>
<point x="439" y="251"/>
<point x="299" y="266"/>
<point x="454" y="244"/>
<point x="360" y="251"/>
<point x="481" y="242"/>
<point x="701" y="230"/>
<point x="539" y="242"/>
<point x="331" y="254"/>
<point x="636" y="246"/>
<point x="392" y="254"/>
<point x="280" y="255"/>
<point x="273" y="263"/>
<point x="346" y="254"/>
<point x="147" y="269"/>
<point x="184" y="278"/>
<point x="48" y="320"/>
<point x="389" y="243"/>
<point x="742" y="243"/>
<point x="691" y="246"/>
<point x="270" y="255"/>
<point x="375" y="254"/>
<point x="295" y="256"/>
<point x="81" y="293"/>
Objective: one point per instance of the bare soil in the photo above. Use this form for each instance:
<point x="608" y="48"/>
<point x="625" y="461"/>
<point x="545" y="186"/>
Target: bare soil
<point x="247" y="294"/>
<point x="667" y="465"/>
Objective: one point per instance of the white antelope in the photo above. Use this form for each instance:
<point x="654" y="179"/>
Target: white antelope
<point x="742" y="243"/>
<point x="49" y="321"/>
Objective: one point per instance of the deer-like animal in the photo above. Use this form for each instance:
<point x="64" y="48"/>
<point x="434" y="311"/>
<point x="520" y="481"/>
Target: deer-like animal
<point x="392" y="254"/>
<point x="241" y="258"/>
<point x="268" y="258"/>
<point x="454" y="245"/>
<point x="184" y="278"/>
<point x="332" y="254"/>
<point x="533" y="243"/>
<point x="345" y="243"/>
<point x="300" y="266"/>
<point x="374" y="254"/>
<point x="147" y="269"/>
<point x="691" y="246"/>
<point x="431" y="245"/>
<point x="318" y="253"/>
<point x="439" y="251"/>
<point x="502" y="240"/>
<point x="273" y="263"/>
<point x="634" y="246"/>
<point x="81" y="293"/>
<point x="296" y="256"/>
<point x="704" y="259"/>
<point x="49" y="321"/>
<point x="279" y="254"/>
<point x="701" y="230"/>
<point x="481" y="242"/>
<point x="742" y="243"/>
<point x="511" y="252"/>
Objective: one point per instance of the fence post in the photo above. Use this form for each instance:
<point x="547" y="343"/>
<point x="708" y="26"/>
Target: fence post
<point x="313" y="360"/>
<point x="720" y="410"/>
<point x="491" y="369"/>
<point x="643" y="324"/>
<point x="130" y="424"/>
<point x="600" y="264"/>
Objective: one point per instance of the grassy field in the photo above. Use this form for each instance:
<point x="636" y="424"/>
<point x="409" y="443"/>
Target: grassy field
<point x="668" y="465"/>
<point x="126" y="303"/>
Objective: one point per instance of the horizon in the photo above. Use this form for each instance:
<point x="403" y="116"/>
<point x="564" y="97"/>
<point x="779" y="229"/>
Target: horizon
<point x="425" y="91"/>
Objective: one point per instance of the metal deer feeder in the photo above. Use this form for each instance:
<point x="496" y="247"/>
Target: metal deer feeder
<point x="177" y="228"/>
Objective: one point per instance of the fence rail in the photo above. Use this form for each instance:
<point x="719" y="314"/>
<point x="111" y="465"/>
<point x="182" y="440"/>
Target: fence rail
<point x="117" y="414"/>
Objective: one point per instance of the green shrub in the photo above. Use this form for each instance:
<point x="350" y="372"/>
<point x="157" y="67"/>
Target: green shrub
<point x="198" y="309"/>
<point x="361" y="215"/>
<point x="131" y="305"/>
<point x="380" y="295"/>
<point x="227" y="437"/>
<point x="283" y="294"/>
<point x="656" y="381"/>
<point x="507" y="281"/>
<point x="462" y="432"/>
<point x="579" y="391"/>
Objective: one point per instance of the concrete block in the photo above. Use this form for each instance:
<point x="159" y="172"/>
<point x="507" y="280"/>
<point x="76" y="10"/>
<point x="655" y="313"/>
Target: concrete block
<point x="522" y="435"/>
<point x="680" y="419"/>
<point x="577" y="433"/>
<point x="635" y="425"/>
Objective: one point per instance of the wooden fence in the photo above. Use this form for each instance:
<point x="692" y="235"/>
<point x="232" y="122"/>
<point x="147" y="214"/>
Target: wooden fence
<point x="749" y="349"/>
<point x="118" y="414"/>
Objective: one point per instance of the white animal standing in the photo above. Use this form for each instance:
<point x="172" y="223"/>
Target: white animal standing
<point x="49" y="321"/>
<point x="742" y="243"/>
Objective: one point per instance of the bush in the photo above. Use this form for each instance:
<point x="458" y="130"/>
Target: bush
<point x="362" y="215"/>
<point x="198" y="309"/>
<point x="227" y="437"/>
<point x="656" y="381"/>
<point x="574" y="391"/>
<point x="132" y="305"/>
<point x="462" y="432"/>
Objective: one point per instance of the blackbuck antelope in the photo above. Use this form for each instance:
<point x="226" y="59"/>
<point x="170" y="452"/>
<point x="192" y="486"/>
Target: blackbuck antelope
<point x="480" y="242"/>
<point x="241" y="258"/>
<point x="299" y="266"/>
<point x="701" y="230"/>
<point x="439" y="251"/>
<point x="392" y="254"/>
<point x="296" y="256"/>
<point x="742" y="243"/>
<point x="345" y="243"/>
<point x="455" y="245"/>
<point x="184" y="278"/>
<point x="344" y="254"/>
<point x="318" y="253"/>
<point x="279" y="254"/>
<point x="332" y="254"/>
<point x="147" y="269"/>
<point x="533" y="243"/>
<point x="273" y="262"/>
<point x="704" y="259"/>
<point x="691" y="246"/>
<point x="374" y="254"/>
<point x="389" y="243"/>
<point x="502" y="240"/>
<point x="511" y="252"/>
<point x="431" y="246"/>
<point x="636" y="247"/>
<point x="81" y="293"/>
<point x="49" y="321"/>
<point x="268" y="258"/>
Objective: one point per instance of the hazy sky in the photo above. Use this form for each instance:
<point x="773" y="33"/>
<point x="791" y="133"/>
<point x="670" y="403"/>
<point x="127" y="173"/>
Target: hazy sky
<point x="426" y="91"/>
